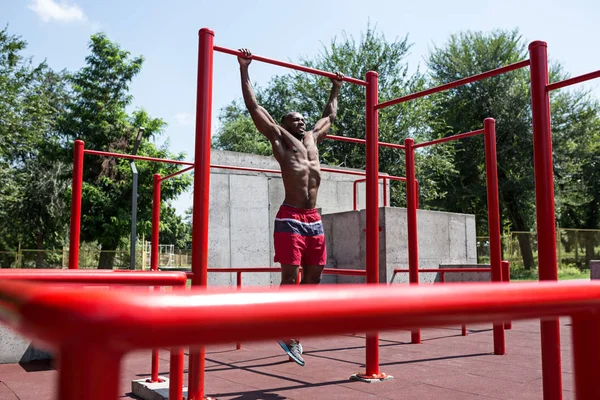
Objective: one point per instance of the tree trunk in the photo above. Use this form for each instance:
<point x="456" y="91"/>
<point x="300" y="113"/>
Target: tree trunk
<point x="526" y="250"/>
<point x="591" y="238"/>
<point x="590" y="253"/>
<point x="39" y="256"/>
<point x="518" y="223"/>
<point x="107" y="257"/>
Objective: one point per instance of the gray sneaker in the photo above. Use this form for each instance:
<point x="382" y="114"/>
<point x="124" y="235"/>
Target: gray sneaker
<point x="293" y="350"/>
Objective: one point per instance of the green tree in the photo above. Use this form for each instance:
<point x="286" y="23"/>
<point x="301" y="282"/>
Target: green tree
<point x="237" y="132"/>
<point x="32" y="195"/>
<point x="174" y="229"/>
<point x="97" y="114"/>
<point x="307" y="94"/>
<point x="576" y="142"/>
<point x="507" y="99"/>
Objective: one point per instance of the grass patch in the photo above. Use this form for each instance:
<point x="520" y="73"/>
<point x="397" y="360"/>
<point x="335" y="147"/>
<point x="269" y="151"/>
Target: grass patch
<point x="564" y="273"/>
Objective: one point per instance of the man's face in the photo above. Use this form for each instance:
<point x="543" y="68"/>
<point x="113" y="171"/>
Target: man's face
<point x="294" y="124"/>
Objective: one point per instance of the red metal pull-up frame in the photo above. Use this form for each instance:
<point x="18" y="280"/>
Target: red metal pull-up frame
<point x="585" y="327"/>
<point x="206" y="49"/>
<point x="142" y="320"/>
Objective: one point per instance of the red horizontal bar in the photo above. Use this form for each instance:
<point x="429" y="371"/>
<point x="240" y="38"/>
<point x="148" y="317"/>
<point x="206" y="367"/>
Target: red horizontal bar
<point x="572" y="81"/>
<point x="344" y="272"/>
<point x="454" y="84"/>
<point x="108" y="277"/>
<point x="324" y="169"/>
<point x="345" y="139"/>
<point x="176" y="173"/>
<point x="199" y="317"/>
<point x="393" y="178"/>
<point x="429" y="270"/>
<point x="326" y="271"/>
<point x="131" y="157"/>
<point x="235" y="168"/>
<point x="362" y="141"/>
<point x="248" y="269"/>
<point x="449" y="138"/>
<point x="289" y="65"/>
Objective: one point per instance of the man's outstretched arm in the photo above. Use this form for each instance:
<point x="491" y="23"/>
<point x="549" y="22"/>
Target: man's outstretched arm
<point x="329" y="113"/>
<point x="262" y="120"/>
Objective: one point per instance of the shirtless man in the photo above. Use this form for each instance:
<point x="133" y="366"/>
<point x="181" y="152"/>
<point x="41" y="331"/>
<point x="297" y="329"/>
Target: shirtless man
<point x="298" y="235"/>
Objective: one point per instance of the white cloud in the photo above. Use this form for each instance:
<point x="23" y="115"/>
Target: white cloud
<point x="50" y="10"/>
<point x="183" y="119"/>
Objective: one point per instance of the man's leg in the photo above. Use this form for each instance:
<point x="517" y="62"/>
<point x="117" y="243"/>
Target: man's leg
<point x="293" y="348"/>
<point x="311" y="274"/>
<point x="289" y="274"/>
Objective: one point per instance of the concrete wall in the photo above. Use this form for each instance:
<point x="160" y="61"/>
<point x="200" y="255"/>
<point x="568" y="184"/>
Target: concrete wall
<point x="243" y="206"/>
<point x="444" y="238"/>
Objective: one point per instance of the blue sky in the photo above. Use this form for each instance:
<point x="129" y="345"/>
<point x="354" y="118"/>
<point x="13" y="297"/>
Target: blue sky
<point x="165" y="33"/>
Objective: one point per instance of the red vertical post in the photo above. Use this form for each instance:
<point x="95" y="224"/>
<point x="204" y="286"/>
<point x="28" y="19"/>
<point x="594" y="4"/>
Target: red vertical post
<point x="155" y="224"/>
<point x="201" y="194"/>
<point x="586" y="355"/>
<point x="411" y="219"/>
<point x="76" y="188"/>
<point x="372" y="213"/>
<point x="154" y="258"/>
<point x="79" y="369"/>
<point x="154" y="367"/>
<point x="545" y="216"/>
<point x="238" y="284"/>
<point x="491" y="173"/>
<point x="506" y="278"/>
<point x="176" y="374"/>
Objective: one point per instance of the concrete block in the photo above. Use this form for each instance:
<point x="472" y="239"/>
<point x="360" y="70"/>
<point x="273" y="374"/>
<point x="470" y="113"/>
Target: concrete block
<point x="250" y="236"/>
<point x="248" y="191"/>
<point x="348" y="244"/>
<point x="327" y="198"/>
<point x="396" y="237"/>
<point x="457" y="236"/>
<point x="383" y="272"/>
<point x="219" y="234"/>
<point x="346" y="196"/>
<point x="470" y="227"/>
<point x="16" y="349"/>
<point x="219" y="223"/>
<point x="221" y="279"/>
<point x="433" y="231"/>
<point x="595" y="269"/>
<point x="276" y="198"/>
<point x="467" y="276"/>
<point x="242" y="160"/>
<point x="153" y="391"/>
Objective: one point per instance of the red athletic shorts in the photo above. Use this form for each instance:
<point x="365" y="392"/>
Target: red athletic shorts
<point x="298" y="237"/>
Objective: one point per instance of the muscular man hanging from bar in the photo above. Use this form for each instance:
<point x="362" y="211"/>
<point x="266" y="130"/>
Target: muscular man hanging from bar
<point x="298" y="235"/>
